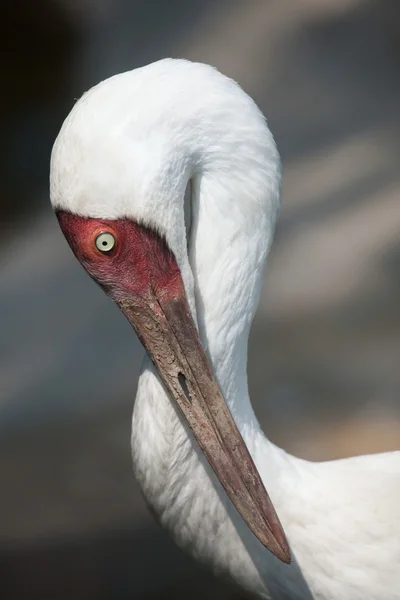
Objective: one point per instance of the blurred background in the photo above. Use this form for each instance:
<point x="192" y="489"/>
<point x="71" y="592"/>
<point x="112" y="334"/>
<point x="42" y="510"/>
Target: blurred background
<point x="324" y="352"/>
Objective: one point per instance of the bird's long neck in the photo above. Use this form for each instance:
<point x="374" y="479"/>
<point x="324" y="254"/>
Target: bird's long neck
<point x="230" y="235"/>
<point x="230" y="239"/>
<point x="227" y="263"/>
<point x="227" y="250"/>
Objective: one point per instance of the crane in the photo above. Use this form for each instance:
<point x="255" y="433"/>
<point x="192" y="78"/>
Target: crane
<point x="166" y="184"/>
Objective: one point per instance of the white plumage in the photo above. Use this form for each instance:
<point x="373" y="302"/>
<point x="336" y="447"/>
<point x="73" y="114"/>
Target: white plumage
<point x="128" y="149"/>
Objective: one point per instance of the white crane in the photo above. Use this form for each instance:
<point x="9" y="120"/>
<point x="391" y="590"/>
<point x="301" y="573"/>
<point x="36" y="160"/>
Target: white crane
<point x="186" y="267"/>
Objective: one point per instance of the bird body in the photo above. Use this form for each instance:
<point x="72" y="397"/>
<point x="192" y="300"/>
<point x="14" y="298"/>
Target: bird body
<point x="134" y="148"/>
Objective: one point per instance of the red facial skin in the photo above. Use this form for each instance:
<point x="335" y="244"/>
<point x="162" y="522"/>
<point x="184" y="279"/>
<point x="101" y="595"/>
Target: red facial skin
<point x="140" y="259"/>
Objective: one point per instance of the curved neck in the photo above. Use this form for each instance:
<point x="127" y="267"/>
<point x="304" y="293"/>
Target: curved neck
<point x="228" y="245"/>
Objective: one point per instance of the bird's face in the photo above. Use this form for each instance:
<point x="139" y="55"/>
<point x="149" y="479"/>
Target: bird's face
<point x="128" y="260"/>
<point x="135" y="267"/>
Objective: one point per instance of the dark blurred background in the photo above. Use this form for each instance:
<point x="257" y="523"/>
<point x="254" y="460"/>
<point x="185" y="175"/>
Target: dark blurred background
<point x="324" y="353"/>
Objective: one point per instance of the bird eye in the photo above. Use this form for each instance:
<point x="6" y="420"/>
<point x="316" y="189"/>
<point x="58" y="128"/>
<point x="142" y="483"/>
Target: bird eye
<point x="105" y="242"/>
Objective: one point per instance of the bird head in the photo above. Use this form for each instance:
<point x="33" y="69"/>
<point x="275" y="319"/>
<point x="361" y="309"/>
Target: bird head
<point x="119" y="170"/>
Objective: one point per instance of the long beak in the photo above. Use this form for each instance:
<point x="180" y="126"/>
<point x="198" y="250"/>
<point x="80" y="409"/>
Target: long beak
<point x="169" y="335"/>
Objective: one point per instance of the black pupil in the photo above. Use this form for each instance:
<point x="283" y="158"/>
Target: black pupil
<point x="104" y="243"/>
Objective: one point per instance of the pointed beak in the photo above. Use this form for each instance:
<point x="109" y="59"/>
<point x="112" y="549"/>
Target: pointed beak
<point x="143" y="278"/>
<point x="166" y="329"/>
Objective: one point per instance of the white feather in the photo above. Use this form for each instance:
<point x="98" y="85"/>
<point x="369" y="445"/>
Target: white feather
<point x="128" y="149"/>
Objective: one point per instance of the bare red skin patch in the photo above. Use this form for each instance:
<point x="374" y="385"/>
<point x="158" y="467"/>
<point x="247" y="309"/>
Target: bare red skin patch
<point x="139" y="261"/>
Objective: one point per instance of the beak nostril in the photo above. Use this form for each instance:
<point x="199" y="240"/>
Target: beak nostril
<point x="184" y="386"/>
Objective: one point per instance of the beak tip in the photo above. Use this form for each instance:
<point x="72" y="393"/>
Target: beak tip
<point x="286" y="557"/>
<point x="284" y="553"/>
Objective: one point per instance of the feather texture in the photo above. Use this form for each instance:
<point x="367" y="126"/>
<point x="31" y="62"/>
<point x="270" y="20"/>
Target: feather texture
<point x="128" y="150"/>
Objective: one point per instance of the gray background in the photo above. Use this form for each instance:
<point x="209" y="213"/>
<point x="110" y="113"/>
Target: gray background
<point x="323" y="365"/>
